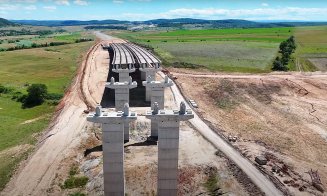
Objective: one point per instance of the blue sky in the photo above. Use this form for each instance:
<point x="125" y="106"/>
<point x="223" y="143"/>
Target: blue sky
<point x="309" y="10"/>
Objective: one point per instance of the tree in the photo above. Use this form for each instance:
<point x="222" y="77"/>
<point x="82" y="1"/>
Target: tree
<point x="36" y="95"/>
<point x="278" y="65"/>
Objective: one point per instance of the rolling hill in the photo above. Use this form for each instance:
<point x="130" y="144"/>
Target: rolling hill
<point x="4" y="23"/>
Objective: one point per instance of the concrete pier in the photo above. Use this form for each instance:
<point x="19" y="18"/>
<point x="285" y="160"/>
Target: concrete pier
<point x="122" y="97"/>
<point x="121" y="91"/>
<point x="147" y="72"/>
<point x="157" y="96"/>
<point x="124" y="73"/>
<point x="168" y="144"/>
<point x="113" y="147"/>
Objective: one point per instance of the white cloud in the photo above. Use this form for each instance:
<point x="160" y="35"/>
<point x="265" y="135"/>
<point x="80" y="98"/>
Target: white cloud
<point x="18" y="1"/>
<point x="30" y="7"/>
<point x="288" y="13"/>
<point x="142" y="0"/>
<point x="50" y="8"/>
<point x="264" y="4"/>
<point x="80" y="2"/>
<point x="8" y="7"/>
<point x="118" y="1"/>
<point x="62" y="2"/>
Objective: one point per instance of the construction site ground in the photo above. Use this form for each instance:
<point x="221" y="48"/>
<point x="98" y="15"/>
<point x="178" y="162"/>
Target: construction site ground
<point x="282" y="116"/>
<point x="71" y="141"/>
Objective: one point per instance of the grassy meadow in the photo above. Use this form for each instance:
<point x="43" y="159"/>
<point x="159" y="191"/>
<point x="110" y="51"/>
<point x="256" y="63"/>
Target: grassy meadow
<point x="28" y="40"/>
<point x="53" y="66"/>
<point x="232" y="50"/>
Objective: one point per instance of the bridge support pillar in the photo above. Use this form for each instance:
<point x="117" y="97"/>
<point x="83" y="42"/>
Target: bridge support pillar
<point x="168" y="144"/>
<point x="157" y="96"/>
<point x="113" y="147"/>
<point x="122" y="97"/>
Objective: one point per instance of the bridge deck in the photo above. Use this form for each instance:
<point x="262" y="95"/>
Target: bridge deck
<point x="122" y="56"/>
<point x="142" y="55"/>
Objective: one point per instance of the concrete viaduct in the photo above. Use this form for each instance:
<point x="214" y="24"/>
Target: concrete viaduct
<point x="127" y="58"/>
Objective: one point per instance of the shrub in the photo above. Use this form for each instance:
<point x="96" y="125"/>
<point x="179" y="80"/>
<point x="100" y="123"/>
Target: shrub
<point x="5" y="90"/>
<point x="54" y="96"/>
<point x="77" y="194"/>
<point x="75" y="182"/>
<point x="36" y="95"/>
<point x="73" y="171"/>
<point x="278" y="65"/>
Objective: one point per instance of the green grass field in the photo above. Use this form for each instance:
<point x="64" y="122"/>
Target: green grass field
<point x="220" y="56"/>
<point x="53" y="66"/>
<point x="232" y="50"/>
<point x="57" y="37"/>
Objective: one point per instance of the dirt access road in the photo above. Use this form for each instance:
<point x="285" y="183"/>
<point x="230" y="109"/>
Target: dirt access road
<point x="253" y="173"/>
<point x="279" y="115"/>
<point x="34" y="177"/>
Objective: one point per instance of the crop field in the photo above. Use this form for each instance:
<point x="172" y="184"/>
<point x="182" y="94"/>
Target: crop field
<point x="232" y="50"/>
<point x="219" y="56"/>
<point x="256" y="34"/>
<point x="53" y="66"/>
<point x="312" y="47"/>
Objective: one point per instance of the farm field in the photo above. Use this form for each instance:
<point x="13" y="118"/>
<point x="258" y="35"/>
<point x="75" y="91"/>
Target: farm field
<point x="52" y="66"/>
<point x="232" y="50"/>
<point x="312" y="47"/>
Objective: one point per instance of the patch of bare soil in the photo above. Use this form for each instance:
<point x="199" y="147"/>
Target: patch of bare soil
<point x="15" y="151"/>
<point x="196" y="157"/>
<point x="282" y="115"/>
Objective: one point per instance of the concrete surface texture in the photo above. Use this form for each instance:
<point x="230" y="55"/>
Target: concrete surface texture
<point x="121" y="92"/>
<point x="151" y="74"/>
<point x="123" y="73"/>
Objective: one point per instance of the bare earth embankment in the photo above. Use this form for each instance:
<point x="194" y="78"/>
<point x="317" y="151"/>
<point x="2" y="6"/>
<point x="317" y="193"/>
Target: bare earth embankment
<point x="281" y="116"/>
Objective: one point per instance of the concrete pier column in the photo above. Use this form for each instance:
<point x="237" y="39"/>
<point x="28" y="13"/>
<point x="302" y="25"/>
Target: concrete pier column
<point x="126" y="132"/>
<point x="152" y="76"/>
<point x="113" y="158"/>
<point x="168" y="144"/>
<point x="113" y="147"/>
<point x="154" y="129"/>
<point x="148" y="73"/>
<point x="157" y="96"/>
<point x="122" y="97"/>
<point x="121" y="91"/>
<point x="123" y="76"/>
<point x="124" y="73"/>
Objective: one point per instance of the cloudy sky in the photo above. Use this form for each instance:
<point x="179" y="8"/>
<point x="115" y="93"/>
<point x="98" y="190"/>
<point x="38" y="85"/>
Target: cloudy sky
<point x="309" y="10"/>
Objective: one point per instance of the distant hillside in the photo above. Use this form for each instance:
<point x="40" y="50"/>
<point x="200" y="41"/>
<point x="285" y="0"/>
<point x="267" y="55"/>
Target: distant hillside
<point x="4" y="23"/>
<point x="176" y="23"/>
<point x="68" y="22"/>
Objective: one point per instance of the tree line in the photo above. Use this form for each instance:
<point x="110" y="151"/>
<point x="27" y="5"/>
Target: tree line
<point x="36" y="45"/>
<point x="286" y="48"/>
